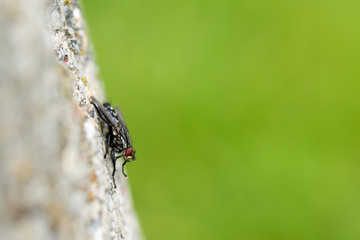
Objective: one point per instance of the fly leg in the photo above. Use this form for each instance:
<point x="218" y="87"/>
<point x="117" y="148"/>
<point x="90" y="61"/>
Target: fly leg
<point x="113" y="158"/>
<point x="123" y="165"/>
<point x="107" y="144"/>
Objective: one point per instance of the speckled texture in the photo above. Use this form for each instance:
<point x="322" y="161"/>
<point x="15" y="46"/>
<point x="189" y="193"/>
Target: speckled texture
<point x="54" y="181"/>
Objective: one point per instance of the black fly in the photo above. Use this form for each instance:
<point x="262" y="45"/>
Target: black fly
<point x="117" y="135"/>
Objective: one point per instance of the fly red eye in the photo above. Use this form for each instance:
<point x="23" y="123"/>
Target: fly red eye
<point x="128" y="152"/>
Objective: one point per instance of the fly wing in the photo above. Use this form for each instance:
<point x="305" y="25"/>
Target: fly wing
<point x="121" y="117"/>
<point x="104" y="114"/>
<point x="123" y="126"/>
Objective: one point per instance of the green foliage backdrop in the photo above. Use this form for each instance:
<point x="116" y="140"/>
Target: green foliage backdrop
<point x="245" y="114"/>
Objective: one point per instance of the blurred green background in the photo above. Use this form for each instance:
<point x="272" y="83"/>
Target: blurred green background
<point x="245" y="114"/>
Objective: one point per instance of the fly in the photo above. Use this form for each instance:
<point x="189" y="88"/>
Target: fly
<point x="117" y="135"/>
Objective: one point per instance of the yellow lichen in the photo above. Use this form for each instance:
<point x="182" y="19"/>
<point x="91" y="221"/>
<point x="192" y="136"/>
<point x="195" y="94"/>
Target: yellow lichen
<point x="84" y="80"/>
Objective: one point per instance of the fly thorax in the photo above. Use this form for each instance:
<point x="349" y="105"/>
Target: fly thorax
<point x="119" y="142"/>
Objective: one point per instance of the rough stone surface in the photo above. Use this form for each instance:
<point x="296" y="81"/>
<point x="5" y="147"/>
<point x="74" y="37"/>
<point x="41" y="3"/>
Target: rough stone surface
<point x="54" y="181"/>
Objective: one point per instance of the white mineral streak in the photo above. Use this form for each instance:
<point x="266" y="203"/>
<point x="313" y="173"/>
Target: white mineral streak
<point x="54" y="181"/>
